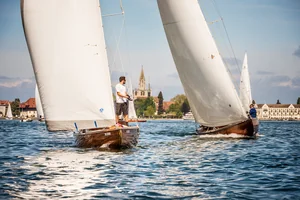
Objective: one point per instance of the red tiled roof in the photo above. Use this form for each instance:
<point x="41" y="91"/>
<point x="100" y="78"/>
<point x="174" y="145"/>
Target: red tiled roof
<point x="4" y="102"/>
<point x="30" y="103"/>
<point x="167" y="104"/>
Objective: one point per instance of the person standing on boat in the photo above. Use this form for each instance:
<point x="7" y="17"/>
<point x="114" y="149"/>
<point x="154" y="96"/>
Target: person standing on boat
<point x="121" y="99"/>
<point x="253" y="116"/>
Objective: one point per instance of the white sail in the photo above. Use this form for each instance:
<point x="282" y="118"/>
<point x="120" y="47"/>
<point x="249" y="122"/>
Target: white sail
<point x="9" y="112"/>
<point x="38" y="103"/>
<point x="67" y="49"/>
<point x="207" y="84"/>
<point x="245" y="87"/>
<point x="131" y="109"/>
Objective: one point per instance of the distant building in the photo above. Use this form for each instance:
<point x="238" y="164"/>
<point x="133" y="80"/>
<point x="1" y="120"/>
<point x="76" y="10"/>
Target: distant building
<point x="278" y="111"/>
<point x="142" y="91"/>
<point x="3" y="107"/>
<point x="28" y="108"/>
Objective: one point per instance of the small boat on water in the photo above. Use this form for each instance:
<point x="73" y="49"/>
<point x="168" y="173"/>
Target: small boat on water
<point x="68" y="52"/>
<point x="212" y="96"/>
<point x="26" y="120"/>
<point x="188" y="116"/>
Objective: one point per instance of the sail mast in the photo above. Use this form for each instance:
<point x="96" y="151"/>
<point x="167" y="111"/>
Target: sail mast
<point x="67" y="49"/>
<point x="207" y="84"/>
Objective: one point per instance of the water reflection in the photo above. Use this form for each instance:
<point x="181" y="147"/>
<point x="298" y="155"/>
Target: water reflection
<point x="62" y="174"/>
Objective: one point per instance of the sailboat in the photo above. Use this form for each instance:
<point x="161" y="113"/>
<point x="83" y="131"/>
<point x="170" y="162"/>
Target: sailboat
<point x="132" y="117"/>
<point x="245" y="87"/>
<point x="39" y="107"/>
<point x="66" y="43"/>
<point x="9" y="115"/>
<point x="213" y="98"/>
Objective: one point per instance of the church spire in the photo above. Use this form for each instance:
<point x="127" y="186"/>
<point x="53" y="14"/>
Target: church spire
<point x="142" y="83"/>
<point x="142" y="76"/>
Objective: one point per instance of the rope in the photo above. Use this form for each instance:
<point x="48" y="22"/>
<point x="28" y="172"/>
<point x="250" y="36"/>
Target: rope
<point x="218" y="12"/>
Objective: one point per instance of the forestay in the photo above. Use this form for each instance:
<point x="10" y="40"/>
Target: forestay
<point x="207" y="84"/>
<point x="67" y="48"/>
<point x="245" y="87"/>
<point x="38" y="103"/>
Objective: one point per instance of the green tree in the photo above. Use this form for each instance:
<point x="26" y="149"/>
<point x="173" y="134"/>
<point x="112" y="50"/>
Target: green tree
<point x="180" y="98"/>
<point x="149" y="111"/>
<point x="298" y="101"/>
<point x="185" y="107"/>
<point x="141" y="105"/>
<point x="160" y="109"/>
<point x="15" y="107"/>
<point x="278" y="102"/>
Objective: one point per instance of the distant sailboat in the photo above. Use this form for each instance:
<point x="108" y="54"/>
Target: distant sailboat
<point x="245" y="87"/>
<point x="210" y="91"/>
<point x="67" y="48"/>
<point x="9" y="115"/>
<point x="39" y="108"/>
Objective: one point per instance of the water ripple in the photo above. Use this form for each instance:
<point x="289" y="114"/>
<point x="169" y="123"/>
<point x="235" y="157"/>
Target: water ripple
<point x="170" y="162"/>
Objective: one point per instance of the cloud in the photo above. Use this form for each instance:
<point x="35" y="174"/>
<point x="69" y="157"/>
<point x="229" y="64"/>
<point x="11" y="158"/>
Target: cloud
<point x="23" y="90"/>
<point x="173" y="75"/>
<point x="280" y="80"/>
<point x="297" y="52"/>
<point x="261" y="72"/>
<point x="296" y="82"/>
<point x="9" y="82"/>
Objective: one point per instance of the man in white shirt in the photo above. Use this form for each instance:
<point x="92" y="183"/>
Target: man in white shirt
<point x="121" y="99"/>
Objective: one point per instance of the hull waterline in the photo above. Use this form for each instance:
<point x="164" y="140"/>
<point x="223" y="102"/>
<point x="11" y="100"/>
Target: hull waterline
<point x="244" y="128"/>
<point x="102" y="138"/>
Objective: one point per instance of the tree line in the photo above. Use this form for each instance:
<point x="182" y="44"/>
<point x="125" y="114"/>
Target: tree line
<point x="147" y="107"/>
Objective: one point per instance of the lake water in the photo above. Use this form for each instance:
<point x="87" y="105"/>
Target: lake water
<point x="170" y="162"/>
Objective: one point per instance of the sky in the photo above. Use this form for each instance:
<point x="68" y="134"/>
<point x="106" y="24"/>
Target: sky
<point x="268" y="30"/>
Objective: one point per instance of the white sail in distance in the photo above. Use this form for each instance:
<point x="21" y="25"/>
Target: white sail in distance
<point x="206" y="82"/>
<point x="245" y="87"/>
<point x="67" y="48"/>
<point x="38" y="103"/>
<point x="9" y="112"/>
<point x="131" y="109"/>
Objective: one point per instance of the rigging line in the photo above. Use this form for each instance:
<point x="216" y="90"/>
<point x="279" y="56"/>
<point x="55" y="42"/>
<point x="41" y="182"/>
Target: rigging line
<point x="118" y="43"/>
<point x="216" y="7"/>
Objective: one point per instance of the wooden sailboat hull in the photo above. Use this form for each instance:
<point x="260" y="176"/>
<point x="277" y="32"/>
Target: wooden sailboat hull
<point x="137" y="120"/>
<point x="121" y="137"/>
<point x="244" y="128"/>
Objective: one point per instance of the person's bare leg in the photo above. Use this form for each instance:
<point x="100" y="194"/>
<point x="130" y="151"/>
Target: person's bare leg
<point x="126" y="118"/>
<point x="117" y="118"/>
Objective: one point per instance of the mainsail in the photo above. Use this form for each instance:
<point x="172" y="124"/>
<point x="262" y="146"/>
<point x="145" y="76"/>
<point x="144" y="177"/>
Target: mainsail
<point x="67" y="49"/>
<point x="207" y="84"/>
<point x="245" y="87"/>
<point x="39" y="107"/>
<point x="9" y="113"/>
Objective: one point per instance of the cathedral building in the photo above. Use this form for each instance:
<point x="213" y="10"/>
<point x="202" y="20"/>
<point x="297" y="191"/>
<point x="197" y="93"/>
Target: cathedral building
<point x="142" y="91"/>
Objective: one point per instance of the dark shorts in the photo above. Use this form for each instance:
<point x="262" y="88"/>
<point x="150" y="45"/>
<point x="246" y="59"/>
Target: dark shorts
<point x="121" y="108"/>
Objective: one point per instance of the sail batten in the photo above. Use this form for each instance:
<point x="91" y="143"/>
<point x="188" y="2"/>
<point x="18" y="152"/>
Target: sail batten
<point x="245" y="86"/>
<point x="207" y="84"/>
<point x="67" y="48"/>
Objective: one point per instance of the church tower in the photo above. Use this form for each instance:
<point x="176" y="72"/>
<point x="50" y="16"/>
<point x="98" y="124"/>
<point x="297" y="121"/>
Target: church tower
<point x="142" y="91"/>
